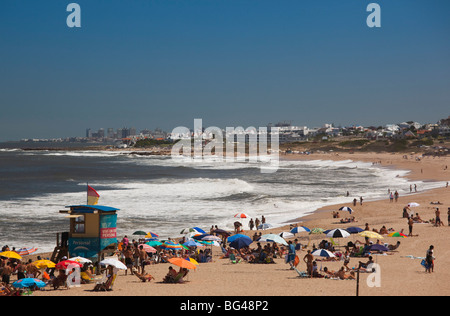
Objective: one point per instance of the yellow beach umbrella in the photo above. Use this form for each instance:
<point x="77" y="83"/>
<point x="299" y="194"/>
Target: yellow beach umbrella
<point x="11" y="255"/>
<point x="42" y="264"/>
<point x="370" y="234"/>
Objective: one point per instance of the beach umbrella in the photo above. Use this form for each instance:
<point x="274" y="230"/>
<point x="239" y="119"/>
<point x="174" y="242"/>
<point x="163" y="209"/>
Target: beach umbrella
<point x="338" y="233"/>
<point x="192" y="243"/>
<point x="192" y="260"/>
<point x="354" y="230"/>
<point x="199" y="230"/>
<point x="413" y="204"/>
<point x="26" y="251"/>
<point x="171" y="245"/>
<point x="346" y="209"/>
<point x="234" y="237"/>
<point x="188" y="230"/>
<point x="154" y="243"/>
<point x="241" y="242"/>
<point x="151" y="235"/>
<point x="265" y="226"/>
<point x="323" y="253"/>
<point x="211" y="238"/>
<point x="114" y="263"/>
<point x="68" y="264"/>
<point x="286" y="235"/>
<point x="377" y="247"/>
<point x="397" y="234"/>
<point x="10" y="255"/>
<point x="147" y="248"/>
<point x="370" y="234"/>
<point x="182" y="263"/>
<point x="80" y="260"/>
<point x="43" y="264"/>
<point x="241" y="215"/>
<point x="139" y="233"/>
<point x="273" y="238"/>
<point x="317" y="230"/>
<point x="28" y="282"/>
<point x="300" y="229"/>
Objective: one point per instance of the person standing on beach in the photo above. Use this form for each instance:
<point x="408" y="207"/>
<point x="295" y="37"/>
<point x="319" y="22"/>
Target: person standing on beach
<point x="251" y="224"/>
<point x="429" y="259"/>
<point x="410" y="225"/>
<point x="448" y="216"/>
<point x="142" y="258"/>
<point x="438" y="221"/>
<point x="309" y="259"/>
<point x="291" y="254"/>
<point x="6" y="273"/>
<point x="257" y="223"/>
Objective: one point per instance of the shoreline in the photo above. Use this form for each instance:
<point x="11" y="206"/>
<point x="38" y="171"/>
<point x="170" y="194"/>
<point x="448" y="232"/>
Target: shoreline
<point x="222" y="278"/>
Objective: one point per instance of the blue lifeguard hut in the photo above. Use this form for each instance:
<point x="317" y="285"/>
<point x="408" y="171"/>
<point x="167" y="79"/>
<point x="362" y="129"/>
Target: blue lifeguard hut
<point x="92" y="232"/>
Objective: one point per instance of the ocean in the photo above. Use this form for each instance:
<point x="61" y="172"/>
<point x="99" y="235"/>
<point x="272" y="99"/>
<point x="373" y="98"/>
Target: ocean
<point x="161" y="195"/>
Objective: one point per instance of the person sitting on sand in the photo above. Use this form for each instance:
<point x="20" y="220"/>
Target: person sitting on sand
<point x="383" y="231"/>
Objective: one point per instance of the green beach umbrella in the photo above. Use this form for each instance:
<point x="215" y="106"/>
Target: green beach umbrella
<point x="317" y="231"/>
<point x="140" y="232"/>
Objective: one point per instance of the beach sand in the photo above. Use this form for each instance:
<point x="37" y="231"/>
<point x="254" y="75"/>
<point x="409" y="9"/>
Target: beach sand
<point x="399" y="275"/>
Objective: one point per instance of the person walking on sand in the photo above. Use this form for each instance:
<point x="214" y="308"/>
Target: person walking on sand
<point x="257" y="223"/>
<point x="429" y="260"/>
<point x="251" y="224"/>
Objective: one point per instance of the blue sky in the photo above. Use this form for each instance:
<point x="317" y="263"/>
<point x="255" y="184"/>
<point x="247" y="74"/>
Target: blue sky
<point x="148" y="64"/>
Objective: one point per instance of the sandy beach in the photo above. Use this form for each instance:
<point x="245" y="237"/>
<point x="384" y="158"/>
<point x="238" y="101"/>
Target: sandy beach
<point x="399" y="273"/>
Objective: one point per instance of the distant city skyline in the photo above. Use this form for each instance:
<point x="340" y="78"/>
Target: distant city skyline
<point x="162" y="64"/>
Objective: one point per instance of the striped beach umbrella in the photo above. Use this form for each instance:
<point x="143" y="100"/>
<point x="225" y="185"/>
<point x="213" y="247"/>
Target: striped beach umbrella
<point x="241" y="215"/>
<point x="26" y="251"/>
<point x="171" y="245"/>
<point x="397" y="234"/>
<point x="300" y="229"/>
<point x="323" y="253"/>
<point x="346" y="209"/>
<point x="151" y="235"/>
<point x="273" y="238"/>
<point x="338" y="233"/>
<point x="147" y="248"/>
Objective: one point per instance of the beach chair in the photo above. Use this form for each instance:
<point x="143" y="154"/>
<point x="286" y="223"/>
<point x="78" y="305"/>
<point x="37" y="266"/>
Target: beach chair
<point x="234" y="259"/>
<point x="106" y="286"/>
<point x="301" y="274"/>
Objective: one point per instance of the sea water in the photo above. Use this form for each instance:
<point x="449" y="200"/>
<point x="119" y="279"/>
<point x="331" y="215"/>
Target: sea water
<point x="164" y="196"/>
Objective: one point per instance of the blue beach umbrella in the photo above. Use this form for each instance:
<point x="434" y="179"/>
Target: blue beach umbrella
<point x="28" y="282"/>
<point x="234" y="237"/>
<point x="323" y="253"/>
<point x="264" y="226"/>
<point x="354" y="230"/>
<point x="191" y="243"/>
<point x="300" y="229"/>
<point x="199" y="230"/>
<point x="241" y="242"/>
<point x="347" y="209"/>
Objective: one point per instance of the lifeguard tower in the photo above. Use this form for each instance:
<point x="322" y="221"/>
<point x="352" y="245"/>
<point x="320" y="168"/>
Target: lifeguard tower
<point x="92" y="232"/>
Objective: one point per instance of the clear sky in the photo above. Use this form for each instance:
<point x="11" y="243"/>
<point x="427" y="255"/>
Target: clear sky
<point x="162" y="63"/>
